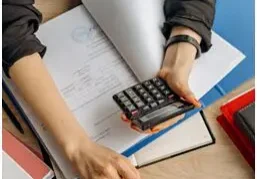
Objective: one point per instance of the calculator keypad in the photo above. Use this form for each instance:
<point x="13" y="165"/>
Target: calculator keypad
<point x="147" y="97"/>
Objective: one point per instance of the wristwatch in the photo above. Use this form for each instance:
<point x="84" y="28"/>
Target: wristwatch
<point x="184" y="38"/>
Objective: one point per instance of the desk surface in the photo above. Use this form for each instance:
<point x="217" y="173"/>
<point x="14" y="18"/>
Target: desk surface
<point x="221" y="160"/>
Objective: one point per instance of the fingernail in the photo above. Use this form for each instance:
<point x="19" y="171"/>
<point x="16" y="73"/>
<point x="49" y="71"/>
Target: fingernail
<point x="135" y="128"/>
<point x="156" y="130"/>
<point x="197" y="103"/>
<point x="124" y="118"/>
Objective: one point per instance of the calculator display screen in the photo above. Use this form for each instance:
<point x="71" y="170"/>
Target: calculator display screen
<point x="160" y="113"/>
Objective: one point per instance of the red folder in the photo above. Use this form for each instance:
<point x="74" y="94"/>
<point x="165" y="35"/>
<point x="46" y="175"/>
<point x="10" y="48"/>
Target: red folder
<point x="226" y="120"/>
<point x="26" y="159"/>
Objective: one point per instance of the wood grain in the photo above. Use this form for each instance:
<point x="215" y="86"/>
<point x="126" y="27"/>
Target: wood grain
<point x="221" y="160"/>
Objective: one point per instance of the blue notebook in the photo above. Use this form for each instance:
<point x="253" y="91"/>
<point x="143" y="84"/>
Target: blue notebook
<point x="234" y="21"/>
<point x="219" y="90"/>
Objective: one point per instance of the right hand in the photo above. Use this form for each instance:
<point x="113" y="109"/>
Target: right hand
<point x="94" y="161"/>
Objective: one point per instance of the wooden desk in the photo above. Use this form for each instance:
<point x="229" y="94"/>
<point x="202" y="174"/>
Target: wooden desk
<point x="221" y="160"/>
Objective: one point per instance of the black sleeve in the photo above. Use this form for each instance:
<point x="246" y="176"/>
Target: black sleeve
<point x="195" y="14"/>
<point x="20" y="21"/>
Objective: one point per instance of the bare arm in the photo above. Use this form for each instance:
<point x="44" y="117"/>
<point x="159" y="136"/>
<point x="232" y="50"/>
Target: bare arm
<point x="90" y="159"/>
<point x="38" y="89"/>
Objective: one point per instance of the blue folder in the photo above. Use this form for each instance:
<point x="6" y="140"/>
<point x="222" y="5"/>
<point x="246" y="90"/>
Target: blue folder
<point x="235" y="23"/>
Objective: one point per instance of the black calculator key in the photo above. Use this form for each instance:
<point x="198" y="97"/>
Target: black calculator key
<point x="162" y="87"/>
<point x="134" y="113"/>
<point x="155" y="80"/>
<point x="147" y="83"/>
<point x="150" y="87"/>
<point x="127" y="103"/>
<point x="167" y="92"/>
<point x="153" y="105"/>
<point x="136" y="99"/>
<point x="158" y="96"/>
<point x="120" y="95"/>
<point x="154" y="91"/>
<point x="141" y="91"/>
<point x="131" y="93"/>
<point x="145" y="95"/>
<point x="149" y="99"/>
<point x="161" y="101"/>
<point x="123" y="99"/>
<point x="140" y="104"/>
<point x="131" y="108"/>
<point x="158" y="83"/>
<point x="146" y="108"/>
<point x="138" y="87"/>
<point x="171" y="96"/>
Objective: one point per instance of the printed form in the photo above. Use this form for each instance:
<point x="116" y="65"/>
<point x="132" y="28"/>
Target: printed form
<point x="88" y="71"/>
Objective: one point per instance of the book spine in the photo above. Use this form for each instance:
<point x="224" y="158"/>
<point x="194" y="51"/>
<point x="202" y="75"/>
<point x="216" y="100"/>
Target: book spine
<point x="26" y="120"/>
<point x="221" y="90"/>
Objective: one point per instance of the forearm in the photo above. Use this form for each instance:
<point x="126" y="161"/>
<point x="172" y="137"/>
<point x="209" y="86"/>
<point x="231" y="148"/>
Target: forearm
<point x="194" y="14"/>
<point x="38" y="89"/>
<point x="180" y="51"/>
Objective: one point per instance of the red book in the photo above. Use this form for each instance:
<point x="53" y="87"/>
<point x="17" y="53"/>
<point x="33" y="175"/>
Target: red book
<point x="227" y="122"/>
<point x="25" y="158"/>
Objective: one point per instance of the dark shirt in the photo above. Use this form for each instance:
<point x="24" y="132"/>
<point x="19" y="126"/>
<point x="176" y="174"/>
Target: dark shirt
<point x="21" y="20"/>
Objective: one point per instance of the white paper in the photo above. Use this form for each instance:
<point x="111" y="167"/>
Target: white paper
<point x="190" y="134"/>
<point x="12" y="170"/>
<point x="88" y="71"/>
<point x="134" y="27"/>
<point x="213" y="66"/>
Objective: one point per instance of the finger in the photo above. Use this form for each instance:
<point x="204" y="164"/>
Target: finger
<point x="193" y="100"/>
<point x="112" y="174"/>
<point x="101" y="177"/>
<point x="184" y="91"/>
<point x="125" y="171"/>
<point x="168" y="123"/>
<point x="133" y="168"/>
<point x="134" y="127"/>
<point x="124" y="118"/>
<point x="181" y="89"/>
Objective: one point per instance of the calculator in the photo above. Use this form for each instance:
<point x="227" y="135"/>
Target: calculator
<point x="150" y="103"/>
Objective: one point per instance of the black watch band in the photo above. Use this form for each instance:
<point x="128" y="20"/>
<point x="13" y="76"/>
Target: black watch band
<point x="184" y="38"/>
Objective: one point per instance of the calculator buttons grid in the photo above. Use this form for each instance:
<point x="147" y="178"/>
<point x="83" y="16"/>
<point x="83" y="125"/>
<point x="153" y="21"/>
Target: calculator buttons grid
<point x="141" y="98"/>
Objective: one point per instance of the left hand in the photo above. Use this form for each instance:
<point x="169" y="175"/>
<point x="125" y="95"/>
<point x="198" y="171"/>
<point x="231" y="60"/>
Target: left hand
<point x="156" y="128"/>
<point x="177" y="65"/>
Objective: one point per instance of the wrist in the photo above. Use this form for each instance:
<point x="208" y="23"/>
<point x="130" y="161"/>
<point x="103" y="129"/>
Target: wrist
<point x="71" y="136"/>
<point x="179" y="55"/>
<point x="181" y="30"/>
<point x="76" y="141"/>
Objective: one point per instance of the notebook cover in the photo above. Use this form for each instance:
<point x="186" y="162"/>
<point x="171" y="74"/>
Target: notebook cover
<point x="230" y="108"/>
<point x="245" y="150"/>
<point x="190" y="150"/>
<point x="43" y="149"/>
<point x="33" y="165"/>
<point x="245" y="121"/>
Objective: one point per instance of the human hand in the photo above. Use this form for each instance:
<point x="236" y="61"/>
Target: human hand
<point x="176" y="68"/>
<point x="177" y="65"/>
<point x="94" y="161"/>
<point x="156" y="128"/>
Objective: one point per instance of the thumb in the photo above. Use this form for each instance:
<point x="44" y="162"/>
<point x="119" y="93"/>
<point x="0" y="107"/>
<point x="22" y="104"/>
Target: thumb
<point x="185" y="92"/>
<point x="189" y="96"/>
